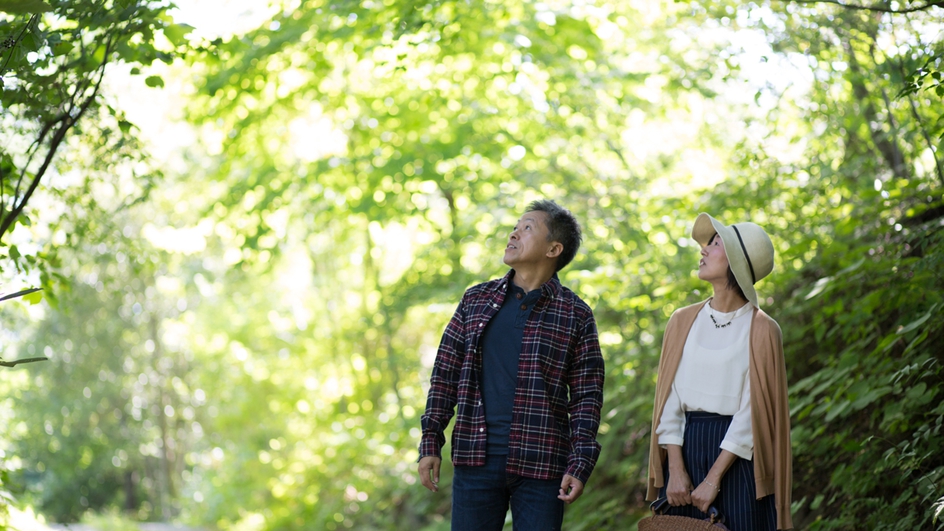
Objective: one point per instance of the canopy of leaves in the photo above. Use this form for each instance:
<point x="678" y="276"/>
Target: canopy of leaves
<point x="53" y="60"/>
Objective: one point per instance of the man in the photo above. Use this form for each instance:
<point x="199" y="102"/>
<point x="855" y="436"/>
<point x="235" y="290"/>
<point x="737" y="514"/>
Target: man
<point x="521" y="360"/>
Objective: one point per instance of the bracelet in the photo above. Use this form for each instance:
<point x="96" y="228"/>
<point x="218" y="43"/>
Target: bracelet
<point x="713" y="485"/>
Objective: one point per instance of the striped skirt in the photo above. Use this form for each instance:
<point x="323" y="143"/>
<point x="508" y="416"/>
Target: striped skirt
<point x="737" y="501"/>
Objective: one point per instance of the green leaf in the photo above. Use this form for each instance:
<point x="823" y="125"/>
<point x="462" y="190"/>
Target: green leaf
<point x="886" y="342"/>
<point x="856" y="265"/>
<point x="917" y="322"/>
<point x="871" y="396"/>
<point x="154" y="81"/>
<point x="917" y="341"/>
<point x="818" y="287"/>
<point x="917" y="393"/>
<point x="817" y="501"/>
<point x="34" y="298"/>
<point x="836" y="409"/>
<point x="19" y="7"/>
<point x="62" y="48"/>
<point x="99" y="54"/>
<point x="177" y="33"/>
<point x="126" y="52"/>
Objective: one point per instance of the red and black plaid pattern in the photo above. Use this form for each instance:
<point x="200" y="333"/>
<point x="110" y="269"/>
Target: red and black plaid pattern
<point x="560" y="385"/>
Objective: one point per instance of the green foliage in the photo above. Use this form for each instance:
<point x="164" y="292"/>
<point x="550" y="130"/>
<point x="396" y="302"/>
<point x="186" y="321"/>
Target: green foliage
<point x="110" y="419"/>
<point x="6" y="498"/>
<point x="447" y="125"/>
<point x="249" y="348"/>
<point x="861" y="337"/>
<point x="24" y="6"/>
<point x="867" y="405"/>
<point x="52" y="65"/>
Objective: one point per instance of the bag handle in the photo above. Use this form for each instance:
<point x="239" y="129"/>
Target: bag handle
<point x="662" y="504"/>
<point x="659" y="506"/>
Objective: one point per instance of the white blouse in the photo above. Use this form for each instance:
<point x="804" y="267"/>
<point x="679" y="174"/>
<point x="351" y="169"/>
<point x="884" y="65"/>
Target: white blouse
<point x="713" y="376"/>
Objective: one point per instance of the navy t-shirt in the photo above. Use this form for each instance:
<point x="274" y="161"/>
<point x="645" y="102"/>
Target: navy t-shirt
<point x="501" y="346"/>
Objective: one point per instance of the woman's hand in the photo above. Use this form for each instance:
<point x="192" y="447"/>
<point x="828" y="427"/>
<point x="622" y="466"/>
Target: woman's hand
<point x="704" y="496"/>
<point x="679" y="489"/>
<point x="708" y="490"/>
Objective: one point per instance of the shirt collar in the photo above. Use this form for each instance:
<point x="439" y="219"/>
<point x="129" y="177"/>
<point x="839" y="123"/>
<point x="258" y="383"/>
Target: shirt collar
<point x="551" y="288"/>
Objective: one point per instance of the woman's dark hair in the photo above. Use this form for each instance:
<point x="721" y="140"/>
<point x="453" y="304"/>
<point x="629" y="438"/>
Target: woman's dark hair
<point x="732" y="280"/>
<point x="733" y="284"/>
<point x="562" y="227"/>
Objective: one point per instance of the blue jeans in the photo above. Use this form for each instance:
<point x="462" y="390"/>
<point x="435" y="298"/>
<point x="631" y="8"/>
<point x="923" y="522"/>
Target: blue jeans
<point x="481" y="496"/>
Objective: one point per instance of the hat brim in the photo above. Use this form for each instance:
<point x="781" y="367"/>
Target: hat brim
<point x="705" y="227"/>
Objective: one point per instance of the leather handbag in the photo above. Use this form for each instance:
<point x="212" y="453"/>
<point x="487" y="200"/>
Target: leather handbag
<point x="659" y="521"/>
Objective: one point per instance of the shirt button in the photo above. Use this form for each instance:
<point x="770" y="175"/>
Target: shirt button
<point x="524" y="306"/>
<point x="481" y="430"/>
<point x="519" y="295"/>
<point x="480" y="325"/>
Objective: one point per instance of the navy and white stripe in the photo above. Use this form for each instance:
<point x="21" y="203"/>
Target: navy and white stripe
<point x="737" y="500"/>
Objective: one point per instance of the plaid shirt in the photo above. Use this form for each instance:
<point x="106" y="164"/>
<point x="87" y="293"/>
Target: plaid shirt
<point x="557" y="404"/>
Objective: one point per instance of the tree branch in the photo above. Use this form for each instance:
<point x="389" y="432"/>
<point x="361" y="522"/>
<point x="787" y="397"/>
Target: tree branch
<point x="932" y="213"/>
<point x="34" y="148"/>
<point x="899" y="62"/>
<point x="19" y="37"/>
<point x="66" y="123"/>
<point x="618" y="151"/>
<point x="875" y="8"/>
<point x="3" y="188"/>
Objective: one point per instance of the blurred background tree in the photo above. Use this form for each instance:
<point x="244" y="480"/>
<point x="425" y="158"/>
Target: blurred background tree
<point x="247" y="345"/>
<point x="68" y="161"/>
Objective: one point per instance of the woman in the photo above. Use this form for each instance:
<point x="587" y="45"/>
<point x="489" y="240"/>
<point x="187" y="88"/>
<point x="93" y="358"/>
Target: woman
<point x="721" y="425"/>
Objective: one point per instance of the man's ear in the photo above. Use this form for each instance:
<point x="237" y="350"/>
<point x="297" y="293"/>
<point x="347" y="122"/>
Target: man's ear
<point x="556" y="249"/>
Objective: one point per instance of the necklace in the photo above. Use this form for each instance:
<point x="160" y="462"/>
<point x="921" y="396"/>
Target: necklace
<point x="716" y="322"/>
<point x="712" y="315"/>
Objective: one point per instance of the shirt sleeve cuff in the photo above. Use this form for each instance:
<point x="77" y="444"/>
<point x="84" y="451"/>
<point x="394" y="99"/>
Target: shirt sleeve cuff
<point x="430" y="446"/>
<point x="743" y="452"/>
<point x="670" y="439"/>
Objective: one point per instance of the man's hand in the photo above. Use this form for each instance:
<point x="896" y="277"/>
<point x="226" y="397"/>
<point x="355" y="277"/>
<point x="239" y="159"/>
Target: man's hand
<point x="429" y="472"/>
<point x="571" y="489"/>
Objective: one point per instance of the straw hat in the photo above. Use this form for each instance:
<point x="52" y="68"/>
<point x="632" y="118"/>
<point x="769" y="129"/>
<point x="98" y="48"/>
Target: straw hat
<point x="749" y="250"/>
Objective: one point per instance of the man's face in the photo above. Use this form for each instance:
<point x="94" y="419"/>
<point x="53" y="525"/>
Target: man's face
<point x="528" y="243"/>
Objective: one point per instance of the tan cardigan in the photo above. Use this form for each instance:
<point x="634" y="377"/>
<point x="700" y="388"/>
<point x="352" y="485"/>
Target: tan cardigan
<point x="770" y="414"/>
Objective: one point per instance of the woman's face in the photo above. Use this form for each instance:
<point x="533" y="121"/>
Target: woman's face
<point x="714" y="262"/>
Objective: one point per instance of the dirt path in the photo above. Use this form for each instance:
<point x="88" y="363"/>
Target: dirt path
<point x="27" y="520"/>
<point x="147" y="526"/>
